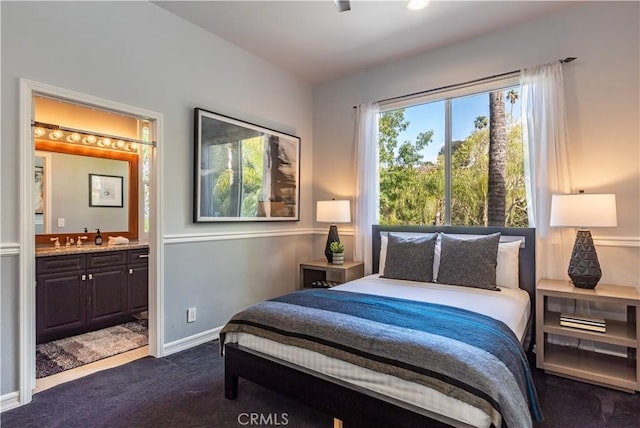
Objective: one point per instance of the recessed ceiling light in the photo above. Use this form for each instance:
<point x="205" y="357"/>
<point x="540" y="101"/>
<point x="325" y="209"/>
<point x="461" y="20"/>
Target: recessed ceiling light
<point x="417" y="4"/>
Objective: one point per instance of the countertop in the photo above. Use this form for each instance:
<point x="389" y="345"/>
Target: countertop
<point x="50" y="250"/>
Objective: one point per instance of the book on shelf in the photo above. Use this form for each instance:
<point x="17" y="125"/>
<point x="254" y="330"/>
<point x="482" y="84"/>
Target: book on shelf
<point x="583" y="319"/>
<point x="599" y="329"/>
<point x="583" y="322"/>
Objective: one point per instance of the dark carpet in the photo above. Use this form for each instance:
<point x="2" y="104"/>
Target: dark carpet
<point x="571" y="404"/>
<point x="187" y="390"/>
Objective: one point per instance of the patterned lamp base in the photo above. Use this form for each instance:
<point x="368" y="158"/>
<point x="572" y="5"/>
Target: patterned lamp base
<point x="584" y="269"/>
<point x="332" y="237"/>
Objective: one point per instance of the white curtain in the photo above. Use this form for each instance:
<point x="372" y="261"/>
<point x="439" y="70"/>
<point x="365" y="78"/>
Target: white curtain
<point x="546" y="163"/>
<point x="367" y="182"/>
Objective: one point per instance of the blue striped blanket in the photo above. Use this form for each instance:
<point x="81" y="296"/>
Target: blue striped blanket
<point x="463" y="354"/>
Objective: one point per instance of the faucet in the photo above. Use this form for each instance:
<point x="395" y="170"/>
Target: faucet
<point x="56" y="242"/>
<point x="79" y="240"/>
<point x="69" y="242"/>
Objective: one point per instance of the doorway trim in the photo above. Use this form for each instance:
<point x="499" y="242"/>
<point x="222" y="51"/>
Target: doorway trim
<point x="27" y="313"/>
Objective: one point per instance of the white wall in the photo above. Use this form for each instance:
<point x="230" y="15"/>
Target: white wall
<point x="602" y="88"/>
<point x="139" y="54"/>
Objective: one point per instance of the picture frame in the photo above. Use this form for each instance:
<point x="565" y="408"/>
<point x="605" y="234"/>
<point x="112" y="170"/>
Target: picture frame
<point x="243" y="171"/>
<point x="38" y="190"/>
<point x="106" y="191"/>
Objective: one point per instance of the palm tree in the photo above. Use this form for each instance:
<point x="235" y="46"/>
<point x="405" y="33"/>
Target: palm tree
<point x="496" y="192"/>
<point x="513" y="97"/>
<point x="481" y="122"/>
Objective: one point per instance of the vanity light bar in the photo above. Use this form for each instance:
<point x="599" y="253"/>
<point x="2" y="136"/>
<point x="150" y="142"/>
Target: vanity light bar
<point x="76" y="136"/>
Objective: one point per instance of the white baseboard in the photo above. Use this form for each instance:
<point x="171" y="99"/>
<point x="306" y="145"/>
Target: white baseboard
<point x="9" y="401"/>
<point x="191" y="341"/>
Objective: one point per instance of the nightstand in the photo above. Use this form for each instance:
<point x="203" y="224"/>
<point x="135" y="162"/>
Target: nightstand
<point x="321" y="270"/>
<point x="607" y="370"/>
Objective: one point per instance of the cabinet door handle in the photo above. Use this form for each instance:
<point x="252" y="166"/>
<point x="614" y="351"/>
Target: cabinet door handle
<point x="90" y="276"/>
<point x="130" y="271"/>
<point x="144" y="256"/>
<point x="84" y="277"/>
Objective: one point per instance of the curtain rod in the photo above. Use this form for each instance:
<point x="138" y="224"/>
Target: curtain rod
<point x="81" y="131"/>
<point x="481" y="79"/>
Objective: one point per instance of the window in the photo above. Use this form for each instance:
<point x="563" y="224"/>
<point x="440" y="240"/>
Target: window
<point x="146" y="152"/>
<point x="439" y="165"/>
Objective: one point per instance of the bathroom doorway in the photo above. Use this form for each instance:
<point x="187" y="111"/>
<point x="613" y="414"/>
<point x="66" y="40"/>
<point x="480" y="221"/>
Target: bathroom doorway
<point x="76" y="148"/>
<point x="149" y="127"/>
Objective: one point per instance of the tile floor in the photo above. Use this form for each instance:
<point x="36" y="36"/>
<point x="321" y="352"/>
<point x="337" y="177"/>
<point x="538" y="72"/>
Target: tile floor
<point x="107" y="363"/>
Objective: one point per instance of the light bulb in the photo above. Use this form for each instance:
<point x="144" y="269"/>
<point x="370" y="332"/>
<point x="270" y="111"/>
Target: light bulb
<point x="106" y="142"/>
<point x="39" y="132"/>
<point x="89" y="139"/>
<point x="74" y="138"/>
<point x="120" y="144"/>
<point x="57" y="134"/>
<point x="133" y="146"/>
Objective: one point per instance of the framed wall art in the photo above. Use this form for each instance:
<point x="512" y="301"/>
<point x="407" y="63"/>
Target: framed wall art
<point x="243" y="172"/>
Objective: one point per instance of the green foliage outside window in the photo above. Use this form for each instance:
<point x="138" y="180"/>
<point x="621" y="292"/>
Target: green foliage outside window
<point x="412" y="190"/>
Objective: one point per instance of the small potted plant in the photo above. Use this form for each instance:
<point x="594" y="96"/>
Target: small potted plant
<point x="337" y="249"/>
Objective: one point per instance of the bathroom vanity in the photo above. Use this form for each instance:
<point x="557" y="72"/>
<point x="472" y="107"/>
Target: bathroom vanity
<point x="89" y="287"/>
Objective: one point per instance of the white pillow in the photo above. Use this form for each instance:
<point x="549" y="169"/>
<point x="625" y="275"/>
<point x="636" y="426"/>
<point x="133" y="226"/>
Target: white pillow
<point x="384" y="241"/>
<point x="506" y="265"/>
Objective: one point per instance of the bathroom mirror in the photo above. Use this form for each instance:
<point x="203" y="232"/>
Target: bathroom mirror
<point x="62" y="192"/>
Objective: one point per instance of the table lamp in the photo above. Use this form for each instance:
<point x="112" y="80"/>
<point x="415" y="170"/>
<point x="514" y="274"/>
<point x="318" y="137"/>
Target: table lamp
<point x="333" y="212"/>
<point x="583" y="210"/>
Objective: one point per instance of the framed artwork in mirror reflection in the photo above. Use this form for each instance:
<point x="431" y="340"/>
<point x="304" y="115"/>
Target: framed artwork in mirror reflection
<point x="105" y="191"/>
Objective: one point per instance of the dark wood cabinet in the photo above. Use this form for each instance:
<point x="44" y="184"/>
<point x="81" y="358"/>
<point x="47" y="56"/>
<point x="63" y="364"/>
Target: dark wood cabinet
<point x="106" y="297"/>
<point x="60" y="296"/>
<point x="84" y="292"/>
<point x="138" y="280"/>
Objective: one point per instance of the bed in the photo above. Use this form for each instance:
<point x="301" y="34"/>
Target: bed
<point x="405" y="371"/>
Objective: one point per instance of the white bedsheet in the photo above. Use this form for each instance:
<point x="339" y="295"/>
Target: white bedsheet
<point x="509" y="305"/>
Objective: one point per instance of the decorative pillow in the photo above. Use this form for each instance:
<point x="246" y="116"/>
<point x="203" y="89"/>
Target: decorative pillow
<point x="384" y="242"/>
<point x="507" y="267"/>
<point x="410" y="258"/>
<point x="470" y="262"/>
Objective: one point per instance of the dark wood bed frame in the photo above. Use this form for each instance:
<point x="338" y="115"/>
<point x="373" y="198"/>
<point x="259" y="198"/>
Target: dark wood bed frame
<point x="353" y="405"/>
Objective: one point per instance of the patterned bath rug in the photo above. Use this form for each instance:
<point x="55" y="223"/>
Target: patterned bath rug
<point x="71" y="352"/>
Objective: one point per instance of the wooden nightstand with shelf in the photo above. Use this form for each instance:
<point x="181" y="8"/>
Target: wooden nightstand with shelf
<point x="321" y="270"/>
<point x="594" y="367"/>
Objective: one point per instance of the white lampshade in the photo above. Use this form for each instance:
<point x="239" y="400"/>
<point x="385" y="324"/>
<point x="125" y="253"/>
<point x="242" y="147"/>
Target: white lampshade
<point x="333" y="211"/>
<point x="583" y="210"/>
<point x="417" y="4"/>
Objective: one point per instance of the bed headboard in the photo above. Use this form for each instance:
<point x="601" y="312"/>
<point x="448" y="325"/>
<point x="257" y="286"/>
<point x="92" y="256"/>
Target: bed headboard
<point x="527" y="261"/>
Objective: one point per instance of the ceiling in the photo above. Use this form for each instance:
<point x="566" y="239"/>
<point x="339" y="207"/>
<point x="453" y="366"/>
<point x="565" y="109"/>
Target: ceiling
<point x="313" y="41"/>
